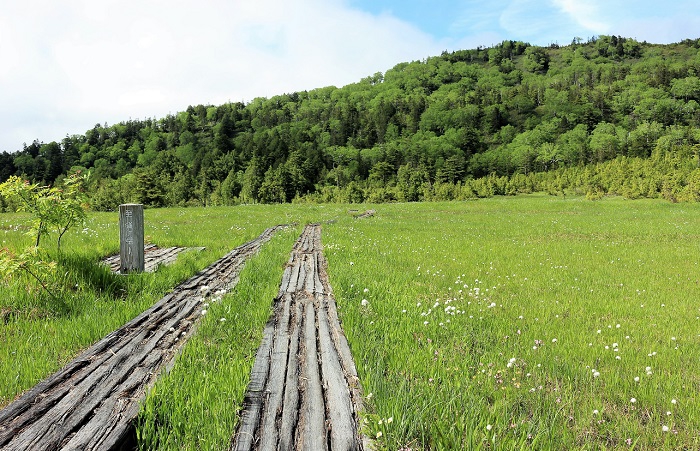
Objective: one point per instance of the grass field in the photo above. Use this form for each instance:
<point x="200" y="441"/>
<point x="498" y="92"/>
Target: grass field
<point x="507" y="323"/>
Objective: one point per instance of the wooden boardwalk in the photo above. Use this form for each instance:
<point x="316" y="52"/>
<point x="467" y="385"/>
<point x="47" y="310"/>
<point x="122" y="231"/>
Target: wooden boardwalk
<point x="154" y="256"/>
<point x="91" y="402"/>
<point x="304" y="392"/>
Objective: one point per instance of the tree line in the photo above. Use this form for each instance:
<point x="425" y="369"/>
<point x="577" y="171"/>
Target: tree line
<point x="499" y="120"/>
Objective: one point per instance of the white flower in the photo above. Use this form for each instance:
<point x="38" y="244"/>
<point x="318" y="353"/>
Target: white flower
<point x="222" y="319"/>
<point x="673" y="401"/>
<point x="366" y="290"/>
<point x="204" y="312"/>
<point x="488" y="427"/>
<point x="636" y="379"/>
<point x="365" y="302"/>
<point x="595" y="412"/>
<point x="390" y="419"/>
<point x="633" y="400"/>
<point x="596" y="374"/>
<point x="664" y="428"/>
<point x="379" y="434"/>
<point x="554" y="340"/>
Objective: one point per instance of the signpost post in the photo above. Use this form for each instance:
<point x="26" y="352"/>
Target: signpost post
<point x="131" y="238"/>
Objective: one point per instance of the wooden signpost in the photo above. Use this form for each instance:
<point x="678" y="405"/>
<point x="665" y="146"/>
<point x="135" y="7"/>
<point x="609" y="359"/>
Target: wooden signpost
<point x="131" y="238"/>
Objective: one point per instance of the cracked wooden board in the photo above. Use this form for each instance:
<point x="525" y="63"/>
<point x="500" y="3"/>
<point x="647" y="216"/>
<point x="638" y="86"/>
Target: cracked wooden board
<point x="304" y="393"/>
<point x="90" y="403"/>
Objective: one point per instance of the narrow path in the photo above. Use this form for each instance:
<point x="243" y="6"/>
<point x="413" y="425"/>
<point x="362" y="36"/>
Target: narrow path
<point x="304" y="393"/>
<point x="91" y="402"/>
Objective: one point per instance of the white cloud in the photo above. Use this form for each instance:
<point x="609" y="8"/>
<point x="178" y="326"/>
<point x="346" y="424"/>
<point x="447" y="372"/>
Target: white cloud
<point x="586" y="14"/>
<point x="65" y="68"/>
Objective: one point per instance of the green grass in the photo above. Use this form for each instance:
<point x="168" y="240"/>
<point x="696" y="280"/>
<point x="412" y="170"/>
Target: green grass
<point x="484" y="324"/>
<point x="486" y="321"/>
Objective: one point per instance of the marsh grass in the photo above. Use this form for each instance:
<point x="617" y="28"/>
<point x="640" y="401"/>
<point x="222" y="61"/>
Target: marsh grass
<point x="505" y="323"/>
<point x="523" y="322"/>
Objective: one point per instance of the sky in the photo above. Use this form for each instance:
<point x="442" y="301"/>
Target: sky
<point x="66" y="65"/>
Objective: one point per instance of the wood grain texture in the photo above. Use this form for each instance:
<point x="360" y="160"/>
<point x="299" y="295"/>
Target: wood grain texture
<point x="310" y="393"/>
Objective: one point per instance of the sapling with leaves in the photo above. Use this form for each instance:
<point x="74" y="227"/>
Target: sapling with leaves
<point x="50" y="209"/>
<point x="55" y="208"/>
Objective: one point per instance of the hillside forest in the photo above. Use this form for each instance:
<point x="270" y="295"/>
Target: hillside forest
<point x="606" y="116"/>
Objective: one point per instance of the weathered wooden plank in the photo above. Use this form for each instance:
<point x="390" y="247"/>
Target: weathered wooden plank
<point x="290" y="408"/>
<point x="286" y="278"/>
<point x="339" y="406"/>
<point x="292" y="286"/>
<point x="274" y="391"/>
<point x="312" y="433"/>
<point x="319" y="287"/>
<point x="302" y="275"/>
<point x="310" y="273"/>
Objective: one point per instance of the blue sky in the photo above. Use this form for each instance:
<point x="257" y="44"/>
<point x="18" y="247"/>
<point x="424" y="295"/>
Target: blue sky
<point x="66" y="65"/>
<point x="543" y="22"/>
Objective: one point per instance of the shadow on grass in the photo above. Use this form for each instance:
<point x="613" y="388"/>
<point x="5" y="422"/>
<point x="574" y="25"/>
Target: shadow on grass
<point x="83" y="273"/>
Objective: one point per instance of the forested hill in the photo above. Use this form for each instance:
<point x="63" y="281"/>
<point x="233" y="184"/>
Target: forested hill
<point x="610" y="115"/>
